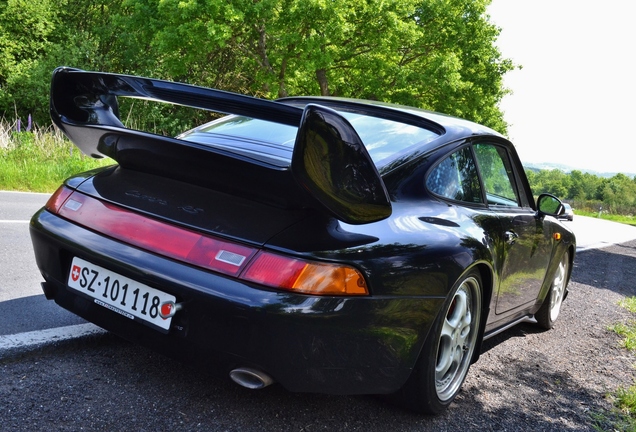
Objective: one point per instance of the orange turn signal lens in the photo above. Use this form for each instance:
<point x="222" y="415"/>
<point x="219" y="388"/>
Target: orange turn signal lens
<point x="305" y="277"/>
<point x="557" y="236"/>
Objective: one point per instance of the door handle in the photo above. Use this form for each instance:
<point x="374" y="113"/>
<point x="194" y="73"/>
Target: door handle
<point x="510" y="237"/>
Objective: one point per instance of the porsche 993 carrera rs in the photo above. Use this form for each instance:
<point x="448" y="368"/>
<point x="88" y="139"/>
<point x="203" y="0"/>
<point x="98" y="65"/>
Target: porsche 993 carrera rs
<point x="329" y="245"/>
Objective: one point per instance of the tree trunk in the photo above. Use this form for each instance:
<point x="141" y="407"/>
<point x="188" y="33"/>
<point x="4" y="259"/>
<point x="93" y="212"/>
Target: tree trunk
<point x="321" y="76"/>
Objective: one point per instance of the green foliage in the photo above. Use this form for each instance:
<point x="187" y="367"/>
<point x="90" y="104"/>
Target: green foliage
<point x="39" y="161"/>
<point x="624" y="219"/>
<point x="615" y="195"/>
<point x="435" y="54"/>
<point x="36" y="37"/>
<point x="626" y="401"/>
<point x="625" y="398"/>
<point x="21" y="49"/>
<point x="628" y="331"/>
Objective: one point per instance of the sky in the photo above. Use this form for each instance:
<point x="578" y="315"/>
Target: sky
<point x="573" y="102"/>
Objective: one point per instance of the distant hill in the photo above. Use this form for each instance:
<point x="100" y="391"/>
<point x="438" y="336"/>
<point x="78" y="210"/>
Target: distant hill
<point x="568" y="169"/>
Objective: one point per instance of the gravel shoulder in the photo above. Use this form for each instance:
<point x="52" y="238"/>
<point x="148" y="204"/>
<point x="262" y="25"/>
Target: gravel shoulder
<point x="555" y="380"/>
<point x="526" y="379"/>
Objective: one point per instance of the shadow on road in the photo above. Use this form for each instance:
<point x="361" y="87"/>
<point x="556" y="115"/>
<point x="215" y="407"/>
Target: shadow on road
<point x="33" y="313"/>
<point x="612" y="268"/>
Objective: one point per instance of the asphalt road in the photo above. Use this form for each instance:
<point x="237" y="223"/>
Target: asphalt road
<point x="23" y="308"/>
<point x="100" y="382"/>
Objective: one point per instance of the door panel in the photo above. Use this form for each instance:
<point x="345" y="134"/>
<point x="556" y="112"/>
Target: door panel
<point x="523" y="239"/>
<point x="526" y="256"/>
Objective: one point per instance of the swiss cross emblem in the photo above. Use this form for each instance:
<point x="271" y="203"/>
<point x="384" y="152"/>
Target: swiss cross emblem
<point x="75" y="273"/>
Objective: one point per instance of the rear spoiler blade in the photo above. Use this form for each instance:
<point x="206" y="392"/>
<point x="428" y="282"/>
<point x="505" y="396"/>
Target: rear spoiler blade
<point x="329" y="160"/>
<point x="89" y="97"/>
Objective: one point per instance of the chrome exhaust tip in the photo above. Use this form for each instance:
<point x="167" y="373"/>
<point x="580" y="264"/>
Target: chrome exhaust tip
<point x="250" y="378"/>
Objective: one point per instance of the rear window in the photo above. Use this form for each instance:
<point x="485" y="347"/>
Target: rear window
<point x="252" y="129"/>
<point x="384" y="139"/>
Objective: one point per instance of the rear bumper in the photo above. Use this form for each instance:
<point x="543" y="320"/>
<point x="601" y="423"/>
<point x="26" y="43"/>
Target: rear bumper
<point x="336" y="345"/>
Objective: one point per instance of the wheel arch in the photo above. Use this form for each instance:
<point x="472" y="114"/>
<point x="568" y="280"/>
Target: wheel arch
<point x="487" y="285"/>
<point x="572" y="252"/>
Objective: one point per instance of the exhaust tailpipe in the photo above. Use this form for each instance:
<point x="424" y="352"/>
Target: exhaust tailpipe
<point x="250" y="378"/>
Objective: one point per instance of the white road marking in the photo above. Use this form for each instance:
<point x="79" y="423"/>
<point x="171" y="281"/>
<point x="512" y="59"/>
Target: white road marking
<point x="15" y="221"/>
<point x="47" y="336"/>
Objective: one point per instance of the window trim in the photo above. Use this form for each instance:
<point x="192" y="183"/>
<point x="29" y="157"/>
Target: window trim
<point x="523" y="200"/>
<point x="444" y="157"/>
<point x="521" y="187"/>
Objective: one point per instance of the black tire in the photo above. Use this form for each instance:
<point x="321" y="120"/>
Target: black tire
<point x="446" y="356"/>
<point x="547" y="315"/>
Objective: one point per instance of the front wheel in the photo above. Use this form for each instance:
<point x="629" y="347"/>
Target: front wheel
<point x="446" y="357"/>
<point x="547" y="315"/>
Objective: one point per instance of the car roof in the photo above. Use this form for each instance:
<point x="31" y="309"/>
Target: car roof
<point x="444" y="128"/>
<point x="442" y="123"/>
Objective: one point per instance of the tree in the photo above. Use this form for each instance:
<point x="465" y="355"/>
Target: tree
<point x="580" y="187"/>
<point x="435" y="54"/>
<point x="555" y="182"/>
<point x="36" y="37"/>
<point x="458" y="61"/>
<point x="619" y="193"/>
<point x="26" y="35"/>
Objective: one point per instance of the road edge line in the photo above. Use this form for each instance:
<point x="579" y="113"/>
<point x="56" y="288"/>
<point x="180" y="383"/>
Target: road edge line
<point x="39" y="338"/>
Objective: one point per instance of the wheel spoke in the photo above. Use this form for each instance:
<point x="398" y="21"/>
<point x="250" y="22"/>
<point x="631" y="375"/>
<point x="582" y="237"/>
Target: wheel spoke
<point x="558" y="289"/>
<point x="456" y="336"/>
<point x="549" y="311"/>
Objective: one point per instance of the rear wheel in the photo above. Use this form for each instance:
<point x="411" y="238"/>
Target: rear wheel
<point x="551" y="307"/>
<point x="446" y="356"/>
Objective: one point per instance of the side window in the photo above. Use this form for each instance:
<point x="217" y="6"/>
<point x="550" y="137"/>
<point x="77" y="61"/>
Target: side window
<point x="497" y="174"/>
<point x="456" y="178"/>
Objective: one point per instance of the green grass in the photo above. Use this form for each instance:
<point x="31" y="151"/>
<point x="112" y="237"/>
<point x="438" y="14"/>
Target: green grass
<point x="629" y="304"/>
<point x="627" y="331"/>
<point x="39" y="160"/>
<point x="624" y="418"/>
<point x="628" y="220"/>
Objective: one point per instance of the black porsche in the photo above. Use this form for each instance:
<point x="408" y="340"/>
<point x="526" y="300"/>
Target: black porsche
<point x="329" y="245"/>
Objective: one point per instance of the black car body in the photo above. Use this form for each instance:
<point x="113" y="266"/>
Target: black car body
<point x="325" y="244"/>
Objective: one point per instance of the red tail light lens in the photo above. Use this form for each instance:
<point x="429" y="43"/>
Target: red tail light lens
<point x="156" y="236"/>
<point x="275" y="270"/>
<point x="57" y="199"/>
<point x="229" y="258"/>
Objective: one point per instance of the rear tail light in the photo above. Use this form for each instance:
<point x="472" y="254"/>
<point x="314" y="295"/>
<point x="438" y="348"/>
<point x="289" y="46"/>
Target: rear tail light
<point x="229" y="258"/>
<point x="57" y="199"/>
<point x="156" y="236"/>
<point x="304" y="276"/>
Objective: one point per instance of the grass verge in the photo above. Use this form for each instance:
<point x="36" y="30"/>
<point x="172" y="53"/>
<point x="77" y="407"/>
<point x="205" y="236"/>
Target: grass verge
<point x="39" y="160"/>
<point x="624" y="419"/>
<point x="628" y="220"/>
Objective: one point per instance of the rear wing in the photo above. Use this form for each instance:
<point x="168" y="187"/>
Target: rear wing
<point x="330" y="165"/>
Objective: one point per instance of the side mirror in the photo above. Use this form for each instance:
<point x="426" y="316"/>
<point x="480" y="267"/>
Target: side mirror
<point x="550" y="205"/>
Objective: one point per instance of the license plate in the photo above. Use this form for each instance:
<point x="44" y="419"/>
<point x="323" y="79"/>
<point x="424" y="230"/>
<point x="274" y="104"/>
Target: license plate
<point x="119" y="293"/>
